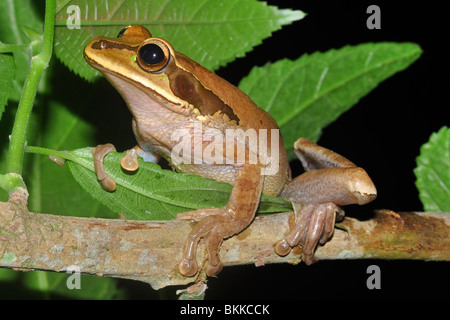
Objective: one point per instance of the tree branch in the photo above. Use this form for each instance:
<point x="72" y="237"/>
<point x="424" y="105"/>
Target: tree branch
<point x="149" y="251"/>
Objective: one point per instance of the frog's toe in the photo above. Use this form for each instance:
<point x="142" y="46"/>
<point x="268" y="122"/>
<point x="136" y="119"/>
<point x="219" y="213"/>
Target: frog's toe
<point x="213" y="229"/>
<point x="334" y="213"/>
<point x="320" y="229"/>
<point x="212" y="270"/>
<point x="298" y="234"/>
<point x="309" y="258"/>
<point x="315" y="224"/>
<point x="130" y="161"/>
<point x="282" y="248"/>
<point x="188" y="267"/>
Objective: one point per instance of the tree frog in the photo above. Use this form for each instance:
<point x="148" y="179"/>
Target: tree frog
<point x="168" y="93"/>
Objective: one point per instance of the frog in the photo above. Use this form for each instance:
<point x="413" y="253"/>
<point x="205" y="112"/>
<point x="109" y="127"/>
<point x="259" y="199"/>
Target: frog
<point x="167" y="93"/>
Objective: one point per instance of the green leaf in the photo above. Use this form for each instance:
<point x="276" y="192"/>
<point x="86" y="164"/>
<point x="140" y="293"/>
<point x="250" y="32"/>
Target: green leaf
<point x="6" y="79"/>
<point x="6" y="48"/>
<point x="53" y="285"/>
<point x="14" y="15"/>
<point x="309" y="93"/>
<point x="211" y="32"/>
<point x="153" y="193"/>
<point x="433" y="172"/>
<point x="52" y="188"/>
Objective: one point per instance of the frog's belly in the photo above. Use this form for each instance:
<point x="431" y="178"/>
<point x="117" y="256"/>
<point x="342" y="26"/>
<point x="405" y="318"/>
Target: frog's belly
<point x="274" y="183"/>
<point x="222" y="173"/>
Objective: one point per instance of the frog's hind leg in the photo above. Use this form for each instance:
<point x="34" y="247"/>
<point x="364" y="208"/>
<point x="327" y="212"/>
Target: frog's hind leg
<point x="330" y="181"/>
<point x="222" y="223"/>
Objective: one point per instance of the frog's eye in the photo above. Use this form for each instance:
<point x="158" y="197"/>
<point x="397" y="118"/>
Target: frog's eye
<point x="153" y="55"/>
<point x="122" y="32"/>
<point x="137" y="31"/>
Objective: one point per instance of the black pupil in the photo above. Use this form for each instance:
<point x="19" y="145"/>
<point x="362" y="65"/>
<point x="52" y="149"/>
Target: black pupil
<point x="122" y="32"/>
<point x="151" y="54"/>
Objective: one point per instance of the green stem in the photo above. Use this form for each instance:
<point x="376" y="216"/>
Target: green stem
<point x="38" y="64"/>
<point x="64" y="155"/>
<point x="51" y="152"/>
<point x="11" y="47"/>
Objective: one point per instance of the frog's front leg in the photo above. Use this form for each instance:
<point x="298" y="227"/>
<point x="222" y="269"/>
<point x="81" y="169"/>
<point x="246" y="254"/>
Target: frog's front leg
<point x="235" y="217"/>
<point x="330" y="181"/>
<point x="129" y="162"/>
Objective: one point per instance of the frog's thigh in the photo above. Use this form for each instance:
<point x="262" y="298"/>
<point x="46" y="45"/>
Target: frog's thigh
<point x="329" y="177"/>
<point x="342" y="186"/>
<point x="225" y="222"/>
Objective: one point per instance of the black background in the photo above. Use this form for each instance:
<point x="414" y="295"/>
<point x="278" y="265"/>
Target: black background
<point x="382" y="133"/>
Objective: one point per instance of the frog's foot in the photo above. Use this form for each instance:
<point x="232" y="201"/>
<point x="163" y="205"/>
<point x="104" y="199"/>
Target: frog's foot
<point x="315" y="224"/>
<point x="99" y="153"/>
<point x="221" y="223"/>
<point x="129" y="161"/>
<point x="213" y="228"/>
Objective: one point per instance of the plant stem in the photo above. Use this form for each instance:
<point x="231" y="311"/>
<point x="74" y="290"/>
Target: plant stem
<point x="38" y="64"/>
<point x="51" y="152"/>
<point x="25" y="235"/>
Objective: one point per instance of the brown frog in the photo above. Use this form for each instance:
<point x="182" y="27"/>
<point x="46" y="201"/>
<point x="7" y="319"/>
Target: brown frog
<point x="168" y="93"/>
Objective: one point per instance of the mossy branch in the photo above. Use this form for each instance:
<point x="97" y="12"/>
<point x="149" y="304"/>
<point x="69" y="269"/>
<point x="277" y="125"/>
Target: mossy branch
<point x="149" y="251"/>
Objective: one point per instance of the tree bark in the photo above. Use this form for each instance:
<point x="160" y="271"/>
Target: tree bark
<point x="150" y="251"/>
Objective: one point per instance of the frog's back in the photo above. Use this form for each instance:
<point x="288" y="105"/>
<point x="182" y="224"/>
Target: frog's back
<point x="248" y="113"/>
<point x="248" y="116"/>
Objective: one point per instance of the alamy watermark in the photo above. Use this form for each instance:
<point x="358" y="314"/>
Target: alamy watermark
<point x="374" y="20"/>
<point x="74" y="280"/>
<point x="374" y="280"/>
<point x="73" y="20"/>
<point x="197" y="145"/>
